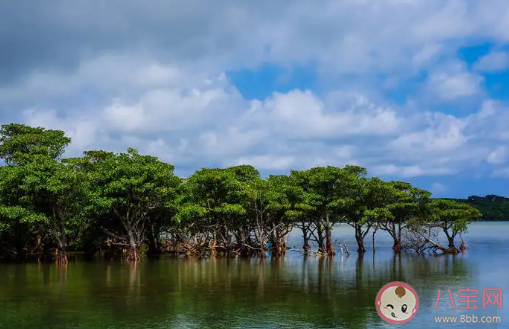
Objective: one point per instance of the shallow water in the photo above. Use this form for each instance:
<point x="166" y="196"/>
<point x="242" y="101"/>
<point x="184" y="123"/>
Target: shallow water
<point x="225" y="293"/>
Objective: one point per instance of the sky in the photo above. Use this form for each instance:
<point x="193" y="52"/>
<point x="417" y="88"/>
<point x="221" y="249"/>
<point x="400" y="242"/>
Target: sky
<point x="413" y="90"/>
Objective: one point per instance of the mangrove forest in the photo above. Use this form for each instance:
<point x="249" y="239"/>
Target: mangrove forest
<point x="123" y="205"/>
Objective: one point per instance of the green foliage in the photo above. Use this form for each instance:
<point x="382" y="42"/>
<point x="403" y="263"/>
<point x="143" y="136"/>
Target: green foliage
<point x="452" y="215"/>
<point x="37" y="188"/>
<point x="329" y="189"/>
<point x="212" y="194"/>
<point x="407" y="201"/>
<point x="18" y="141"/>
<point x="104" y="199"/>
<point x="126" y="192"/>
<point x="492" y="207"/>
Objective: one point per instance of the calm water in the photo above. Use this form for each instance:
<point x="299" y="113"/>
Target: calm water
<point x="289" y="293"/>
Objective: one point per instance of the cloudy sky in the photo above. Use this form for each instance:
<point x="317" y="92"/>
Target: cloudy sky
<point x="416" y="90"/>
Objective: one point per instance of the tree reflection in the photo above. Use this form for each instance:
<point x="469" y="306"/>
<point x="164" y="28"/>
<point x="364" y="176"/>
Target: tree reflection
<point x="219" y="293"/>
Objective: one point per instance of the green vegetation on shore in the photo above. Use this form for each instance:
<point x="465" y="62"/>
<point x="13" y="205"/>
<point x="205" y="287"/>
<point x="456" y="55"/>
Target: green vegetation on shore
<point x="115" y="203"/>
<point x="492" y="207"/>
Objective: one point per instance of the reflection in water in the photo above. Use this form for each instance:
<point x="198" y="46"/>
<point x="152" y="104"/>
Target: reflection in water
<point x="133" y="290"/>
<point x="226" y="293"/>
<point x="218" y="293"/>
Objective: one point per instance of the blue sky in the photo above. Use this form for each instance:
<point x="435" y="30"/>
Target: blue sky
<point x="411" y="90"/>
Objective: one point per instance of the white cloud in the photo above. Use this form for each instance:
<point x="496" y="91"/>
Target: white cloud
<point x="84" y="131"/>
<point x="494" y="61"/>
<point x="302" y="114"/>
<point x="442" y="134"/>
<point x="157" y="83"/>
<point x="210" y="123"/>
<point x="498" y="156"/>
<point x="362" y="37"/>
<point x="453" y="81"/>
<point x="426" y="54"/>
<point x="171" y="109"/>
<point x="410" y="171"/>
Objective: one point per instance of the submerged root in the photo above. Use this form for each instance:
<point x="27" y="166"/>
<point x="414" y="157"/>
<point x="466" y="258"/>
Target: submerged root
<point x="463" y="245"/>
<point x="133" y="255"/>
<point x="61" y="259"/>
<point x="427" y="241"/>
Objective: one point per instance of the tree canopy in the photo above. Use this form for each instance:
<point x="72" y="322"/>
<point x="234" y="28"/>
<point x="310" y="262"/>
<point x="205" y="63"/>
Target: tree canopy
<point x="492" y="207"/>
<point x="117" y="203"/>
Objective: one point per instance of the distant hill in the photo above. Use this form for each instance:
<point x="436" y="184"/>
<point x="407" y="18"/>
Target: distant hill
<point x="493" y="207"/>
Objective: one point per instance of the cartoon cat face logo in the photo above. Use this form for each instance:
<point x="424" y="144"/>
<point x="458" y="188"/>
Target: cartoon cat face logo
<point x="397" y="302"/>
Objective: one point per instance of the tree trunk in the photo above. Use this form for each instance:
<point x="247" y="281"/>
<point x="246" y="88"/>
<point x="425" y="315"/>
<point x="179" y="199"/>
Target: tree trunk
<point x="397" y="240"/>
<point x="396" y="247"/>
<point x="449" y="250"/>
<point x="319" y="233"/>
<point x="305" y="237"/>
<point x="133" y="253"/>
<point x="360" y="239"/>
<point x="61" y="237"/>
<point x="374" y="232"/>
<point x="45" y="253"/>
<point x="450" y="238"/>
<point x="329" y="249"/>
<point x="463" y="245"/>
<point x="278" y="244"/>
<point x="61" y="258"/>
<point x="360" y="244"/>
<point x="263" y="253"/>
<point x="213" y="246"/>
<point x="153" y="242"/>
<point x="306" y="245"/>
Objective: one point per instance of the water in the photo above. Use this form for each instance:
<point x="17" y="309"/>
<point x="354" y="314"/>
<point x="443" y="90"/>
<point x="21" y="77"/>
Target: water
<point x="228" y="293"/>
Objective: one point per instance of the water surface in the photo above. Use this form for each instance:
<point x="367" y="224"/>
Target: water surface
<point x="228" y="293"/>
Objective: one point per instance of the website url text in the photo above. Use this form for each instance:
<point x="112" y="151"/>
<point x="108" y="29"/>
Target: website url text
<point x="465" y="318"/>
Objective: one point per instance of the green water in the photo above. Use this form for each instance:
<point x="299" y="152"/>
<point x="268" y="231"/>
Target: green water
<point x="227" y="293"/>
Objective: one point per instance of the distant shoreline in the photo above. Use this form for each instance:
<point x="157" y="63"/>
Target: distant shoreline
<point x="491" y="220"/>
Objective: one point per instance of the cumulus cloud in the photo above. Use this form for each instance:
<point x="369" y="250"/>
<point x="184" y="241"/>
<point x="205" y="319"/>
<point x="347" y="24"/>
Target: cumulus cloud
<point x="493" y="62"/>
<point x="453" y="81"/>
<point x="302" y="114"/>
<point x="215" y="125"/>
<point x="340" y="36"/>
<point x="410" y="171"/>
<point x="156" y="78"/>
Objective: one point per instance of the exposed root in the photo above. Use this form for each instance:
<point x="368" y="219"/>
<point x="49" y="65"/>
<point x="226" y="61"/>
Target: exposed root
<point x="133" y="255"/>
<point x="61" y="259"/>
<point x="346" y="249"/>
<point x="343" y="247"/>
<point x="463" y="245"/>
<point x="426" y="241"/>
